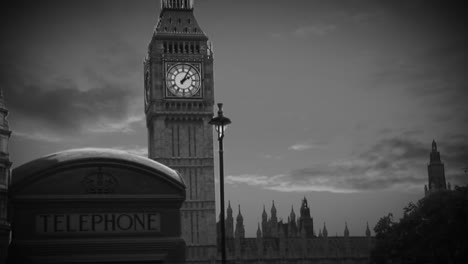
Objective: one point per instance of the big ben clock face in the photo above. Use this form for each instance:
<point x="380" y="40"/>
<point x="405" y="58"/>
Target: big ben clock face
<point x="183" y="80"/>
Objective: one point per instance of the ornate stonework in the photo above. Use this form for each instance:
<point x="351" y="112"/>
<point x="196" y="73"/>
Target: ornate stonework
<point x="99" y="182"/>
<point x="179" y="105"/>
<point x="294" y="241"/>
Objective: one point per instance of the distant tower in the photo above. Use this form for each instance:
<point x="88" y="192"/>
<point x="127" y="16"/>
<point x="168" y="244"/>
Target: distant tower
<point x="265" y="227"/>
<point x="306" y="222"/>
<point x="240" y="231"/>
<point x="5" y="166"/>
<point x="436" y="171"/>
<point x="273" y="221"/>
<point x="324" y="231"/>
<point x="368" y="232"/>
<point x="229" y="222"/>
<point x="292" y="224"/>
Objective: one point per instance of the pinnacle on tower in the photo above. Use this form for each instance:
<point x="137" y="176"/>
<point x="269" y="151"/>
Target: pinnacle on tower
<point x="239" y="215"/>
<point x="324" y="231"/>
<point x="259" y="231"/>
<point x="292" y="215"/>
<point x="240" y="231"/>
<point x="273" y="209"/>
<point x="229" y="209"/>
<point x="436" y="171"/>
<point x="177" y="18"/>
<point x="346" y="231"/>
<point x="305" y="210"/>
<point x="368" y="233"/>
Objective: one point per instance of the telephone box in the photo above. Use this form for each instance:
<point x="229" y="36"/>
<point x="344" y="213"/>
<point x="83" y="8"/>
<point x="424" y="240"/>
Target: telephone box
<point x="96" y="206"/>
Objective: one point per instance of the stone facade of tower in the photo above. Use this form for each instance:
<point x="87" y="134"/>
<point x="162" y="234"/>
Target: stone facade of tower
<point x="179" y="99"/>
<point x="287" y="243"/>
<point x="435" y="172"/>
<point x="305" y="221"/>
<point x="5" y="166"/>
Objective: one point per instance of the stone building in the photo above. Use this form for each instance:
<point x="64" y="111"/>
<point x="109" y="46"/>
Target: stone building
<point x="179" y="99"/>
<point x="5" y="166"/>
<point x="293" y="241"/>
<point x="435" y="172"/>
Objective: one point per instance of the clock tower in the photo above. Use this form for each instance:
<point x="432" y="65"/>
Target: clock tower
<point x="435" y="171"/>
<point x="179" y="99"/>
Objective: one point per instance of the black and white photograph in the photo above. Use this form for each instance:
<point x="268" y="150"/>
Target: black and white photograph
<point x="234" y="131"/>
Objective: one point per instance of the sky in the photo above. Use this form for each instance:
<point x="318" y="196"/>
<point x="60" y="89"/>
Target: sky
<point x="335" y="101"/>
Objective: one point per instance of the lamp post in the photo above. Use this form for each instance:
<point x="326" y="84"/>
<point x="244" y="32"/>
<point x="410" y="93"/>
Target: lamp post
<point x="220" y="123"/>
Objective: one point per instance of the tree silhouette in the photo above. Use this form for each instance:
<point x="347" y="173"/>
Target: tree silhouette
<point x="435" y="230"/>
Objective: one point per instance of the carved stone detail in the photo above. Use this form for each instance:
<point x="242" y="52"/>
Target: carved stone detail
<point x="99" y="182"/>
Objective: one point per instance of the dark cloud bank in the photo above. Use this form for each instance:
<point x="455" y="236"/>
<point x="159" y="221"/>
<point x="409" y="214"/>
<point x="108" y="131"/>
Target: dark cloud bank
<point x="392" y="161"/>
<point x="62" y="106"/>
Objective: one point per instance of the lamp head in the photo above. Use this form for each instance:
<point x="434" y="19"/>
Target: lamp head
<point x="220" y="122"/>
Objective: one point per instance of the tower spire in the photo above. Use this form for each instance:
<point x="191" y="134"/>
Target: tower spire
<point x="436" y="170"/>
<point x="239" y="216"/>
<point x="273" y="209"/>
<point x="368" y="233"/>
<point x="346" y="231"/>
<point x="229" y="209"/>
<point x="240" y="231"/>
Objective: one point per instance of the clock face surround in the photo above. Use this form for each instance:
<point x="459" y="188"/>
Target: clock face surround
<point x="183" y="80"/>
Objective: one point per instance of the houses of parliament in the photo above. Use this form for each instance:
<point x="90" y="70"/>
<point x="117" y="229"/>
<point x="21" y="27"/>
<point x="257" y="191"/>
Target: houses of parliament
<point x="82" y="206"/>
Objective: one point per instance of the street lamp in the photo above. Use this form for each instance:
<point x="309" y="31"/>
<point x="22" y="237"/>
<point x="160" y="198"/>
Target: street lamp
<point x="220" y="123"/>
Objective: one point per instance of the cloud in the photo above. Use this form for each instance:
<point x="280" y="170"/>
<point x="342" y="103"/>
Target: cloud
<point x="253" y="180"/>
<point x="122" y="126"/>
<point x="304" y="146"/>
<point x="270" y="156"/>
<point x="135" y="149"/>
<point x="69" y="84"/>
<point x="435" y="77"/>
<point x="61" y="107"/>
<point x="454" y="153"/>
<point x="314" y="30"/>
<point x="38" y="136"/>
<point x="397" y="163"/>
<point x="366" y="16"/>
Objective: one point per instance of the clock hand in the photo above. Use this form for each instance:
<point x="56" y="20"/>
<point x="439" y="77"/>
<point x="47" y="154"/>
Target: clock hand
<point x="185" y="77"/>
